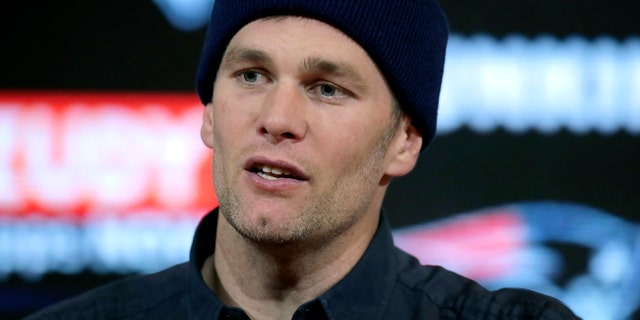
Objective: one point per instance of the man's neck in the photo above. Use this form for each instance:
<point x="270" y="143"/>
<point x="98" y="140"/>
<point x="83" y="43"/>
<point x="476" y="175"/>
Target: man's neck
<point x="271" y="282"/>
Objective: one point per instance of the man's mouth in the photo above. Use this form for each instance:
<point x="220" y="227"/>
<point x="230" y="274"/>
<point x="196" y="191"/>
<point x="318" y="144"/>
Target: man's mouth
<point x="274" y="173"/>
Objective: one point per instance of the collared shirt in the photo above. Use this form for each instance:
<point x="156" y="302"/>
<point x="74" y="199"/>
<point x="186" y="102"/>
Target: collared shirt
<point x="386" y="283"/>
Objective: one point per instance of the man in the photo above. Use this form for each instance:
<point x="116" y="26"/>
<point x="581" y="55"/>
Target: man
<point x="312" y="107"/>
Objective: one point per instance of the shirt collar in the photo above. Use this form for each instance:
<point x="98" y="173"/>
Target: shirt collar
<point x="363" y="293"/>
<point x="203" y="301"/>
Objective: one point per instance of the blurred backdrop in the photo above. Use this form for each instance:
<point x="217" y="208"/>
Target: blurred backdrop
<point x="532" y="180"/>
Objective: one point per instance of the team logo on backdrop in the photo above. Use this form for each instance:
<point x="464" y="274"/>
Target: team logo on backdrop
<point x="526" y="245"/>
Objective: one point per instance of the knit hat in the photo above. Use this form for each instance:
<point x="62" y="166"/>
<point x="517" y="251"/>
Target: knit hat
<point x="405" y="38"/>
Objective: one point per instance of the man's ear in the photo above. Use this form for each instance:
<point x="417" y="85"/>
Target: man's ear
<point x="206" y="131"/>
<point x="405" y="151"/>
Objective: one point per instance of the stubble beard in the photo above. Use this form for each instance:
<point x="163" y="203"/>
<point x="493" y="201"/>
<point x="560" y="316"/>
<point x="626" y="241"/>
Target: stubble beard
<point x="324" y="216"/>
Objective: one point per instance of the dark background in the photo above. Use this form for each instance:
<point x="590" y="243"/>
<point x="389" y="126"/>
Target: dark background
<point x="128" y="45"/>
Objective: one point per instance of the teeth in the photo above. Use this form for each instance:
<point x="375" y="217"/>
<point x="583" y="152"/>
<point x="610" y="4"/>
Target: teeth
<point x="267" y="177"/>
<point x="274" y="171"/>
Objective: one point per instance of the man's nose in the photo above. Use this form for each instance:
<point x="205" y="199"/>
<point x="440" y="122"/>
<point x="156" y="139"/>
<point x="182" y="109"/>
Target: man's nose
<point x="283" y="114"/>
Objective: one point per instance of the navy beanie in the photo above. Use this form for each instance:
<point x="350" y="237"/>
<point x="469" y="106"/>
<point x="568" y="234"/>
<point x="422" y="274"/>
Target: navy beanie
<point x="405" y="38"/>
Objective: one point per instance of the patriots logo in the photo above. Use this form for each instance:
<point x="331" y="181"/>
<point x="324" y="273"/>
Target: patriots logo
<point x="583" y="256"/>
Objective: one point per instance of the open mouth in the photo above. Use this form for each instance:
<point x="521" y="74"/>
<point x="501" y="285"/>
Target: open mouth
<point x="274" y="173"/>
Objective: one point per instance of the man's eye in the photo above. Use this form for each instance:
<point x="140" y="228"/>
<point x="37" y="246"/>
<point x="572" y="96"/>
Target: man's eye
<point x="250" y="76"/>
<point x="327" y="90"/>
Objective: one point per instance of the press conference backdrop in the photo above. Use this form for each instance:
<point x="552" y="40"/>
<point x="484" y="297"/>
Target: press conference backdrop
<point x="532" y="180"/>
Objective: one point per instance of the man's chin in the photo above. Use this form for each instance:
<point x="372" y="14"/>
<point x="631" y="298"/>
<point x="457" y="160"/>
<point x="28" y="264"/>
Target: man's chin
<point x="270" y="230"/>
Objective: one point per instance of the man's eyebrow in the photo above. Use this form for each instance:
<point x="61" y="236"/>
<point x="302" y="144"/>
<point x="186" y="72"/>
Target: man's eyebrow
<point x="238" y="55"/>
<point x="336" y="68"/>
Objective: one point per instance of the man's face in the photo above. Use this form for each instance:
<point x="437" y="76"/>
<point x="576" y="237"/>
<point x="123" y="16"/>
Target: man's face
<point x="300" y="125"/>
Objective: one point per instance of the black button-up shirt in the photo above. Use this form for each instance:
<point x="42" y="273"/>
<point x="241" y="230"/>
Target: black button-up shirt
<point x="386" y="283"/>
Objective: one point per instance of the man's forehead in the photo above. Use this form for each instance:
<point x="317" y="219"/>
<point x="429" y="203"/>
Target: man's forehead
<point x="250" y="45"/>
<point x="260" y="26"/>
<point x="239" y="54"/>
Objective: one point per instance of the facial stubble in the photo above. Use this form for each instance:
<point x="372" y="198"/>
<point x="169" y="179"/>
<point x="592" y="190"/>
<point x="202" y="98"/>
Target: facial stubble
<point x="322" y="216"/>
